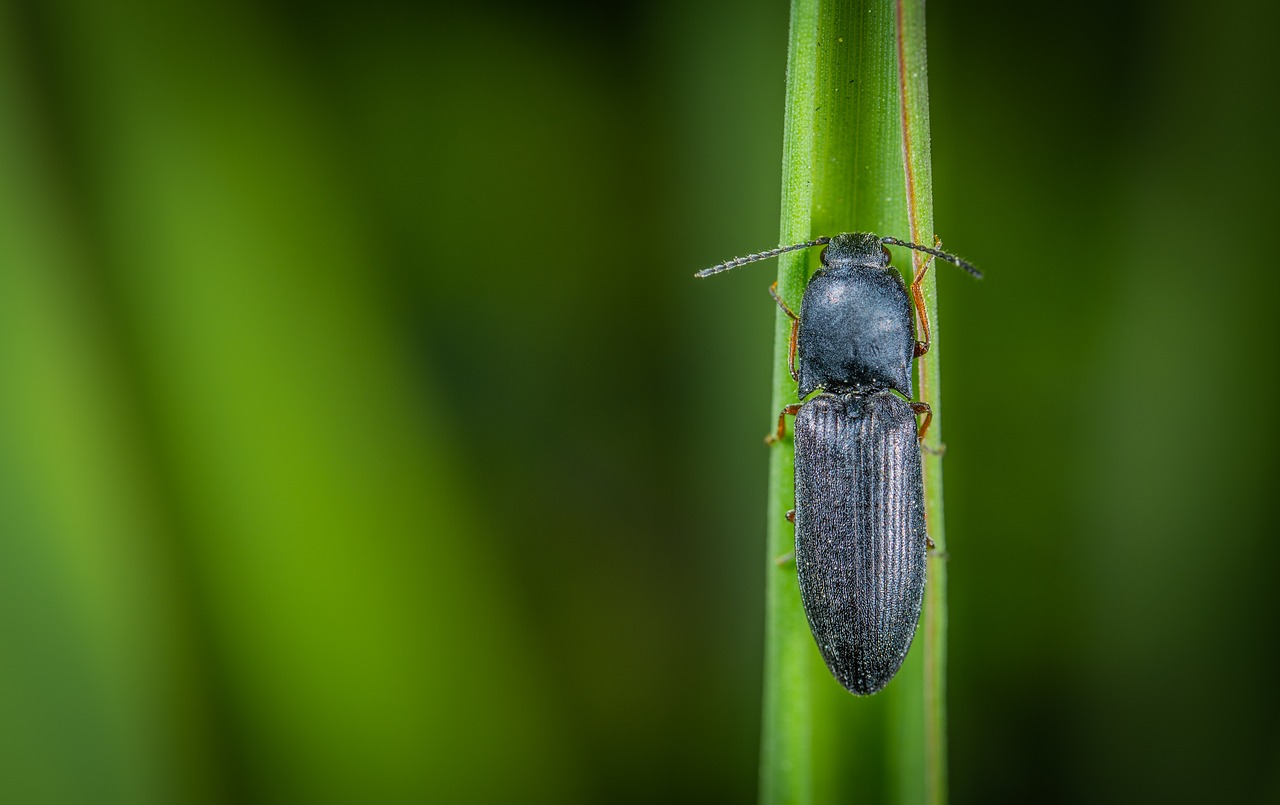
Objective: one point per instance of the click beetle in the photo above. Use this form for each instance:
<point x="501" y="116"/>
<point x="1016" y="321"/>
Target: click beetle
<point x="859" y="516"/>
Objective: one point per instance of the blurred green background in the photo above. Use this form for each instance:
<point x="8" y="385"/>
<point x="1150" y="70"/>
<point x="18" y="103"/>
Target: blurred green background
<point x="364" y="436"/>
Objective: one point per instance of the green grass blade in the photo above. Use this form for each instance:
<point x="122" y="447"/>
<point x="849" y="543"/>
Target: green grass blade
<point x="856" y="158"/>
<point x="786" y="772"/>
<point x="914" y="91"/>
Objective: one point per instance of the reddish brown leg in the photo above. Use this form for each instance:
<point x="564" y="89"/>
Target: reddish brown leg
<point x="917" y="294"/>
<point x="791" y="350"/>
<point x="791" y="516"/>
<point x="791" y="410"/>
<point x="923" y="408"/>
<point x="795" y="331"/>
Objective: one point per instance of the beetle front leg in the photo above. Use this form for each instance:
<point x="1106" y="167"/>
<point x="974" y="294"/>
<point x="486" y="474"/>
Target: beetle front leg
<point x="795" y="331"/>
<point x="917" y="294"/>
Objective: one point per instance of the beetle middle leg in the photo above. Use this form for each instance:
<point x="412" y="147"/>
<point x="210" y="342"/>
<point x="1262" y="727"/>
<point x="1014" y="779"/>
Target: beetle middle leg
<point x="790" y="410"/>
<point x="917" y="294"/>
<point x="923" y="408"/>
<point x="795" y="331"/>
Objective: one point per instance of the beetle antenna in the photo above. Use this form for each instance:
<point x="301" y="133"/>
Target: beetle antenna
<point x="950" y="258"/>
<point x="751" y="258"/>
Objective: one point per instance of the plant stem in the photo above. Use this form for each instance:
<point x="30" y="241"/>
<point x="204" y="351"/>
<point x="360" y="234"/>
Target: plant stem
<point x="856" y="158"/>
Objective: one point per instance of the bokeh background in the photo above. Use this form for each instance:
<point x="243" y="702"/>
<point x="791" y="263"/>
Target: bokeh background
<point x="365" y="438"/>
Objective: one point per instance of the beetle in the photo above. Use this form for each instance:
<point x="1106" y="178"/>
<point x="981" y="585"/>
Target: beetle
<point x="860" y="532"/>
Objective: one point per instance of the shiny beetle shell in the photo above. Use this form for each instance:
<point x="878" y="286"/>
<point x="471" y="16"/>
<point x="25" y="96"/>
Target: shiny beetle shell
<point x="860" y="532"/>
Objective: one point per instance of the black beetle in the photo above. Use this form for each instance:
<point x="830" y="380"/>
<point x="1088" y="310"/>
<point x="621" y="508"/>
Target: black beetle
<point x="859" y="515"/>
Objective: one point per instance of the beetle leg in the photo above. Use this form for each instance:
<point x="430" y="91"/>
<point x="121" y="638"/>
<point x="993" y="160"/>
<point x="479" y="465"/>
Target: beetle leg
<point x="786" y="559"/>
<point x="795" y="330"/>
<point x="917" y="294"/>
<point x="923" y="408"/>
<point x="782" y="423"/>
<point x="791" y="516"/>
<point x="791" y="350"/>
<point x="773" y="291"/>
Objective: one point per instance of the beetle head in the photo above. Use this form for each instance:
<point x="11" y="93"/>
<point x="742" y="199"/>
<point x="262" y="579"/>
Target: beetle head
<point x="852" y="249"/>
<point x="855" y="249"/>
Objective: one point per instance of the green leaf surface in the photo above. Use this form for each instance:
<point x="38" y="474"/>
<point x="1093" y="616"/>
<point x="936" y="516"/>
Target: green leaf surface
<point x="856" y="158"/>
